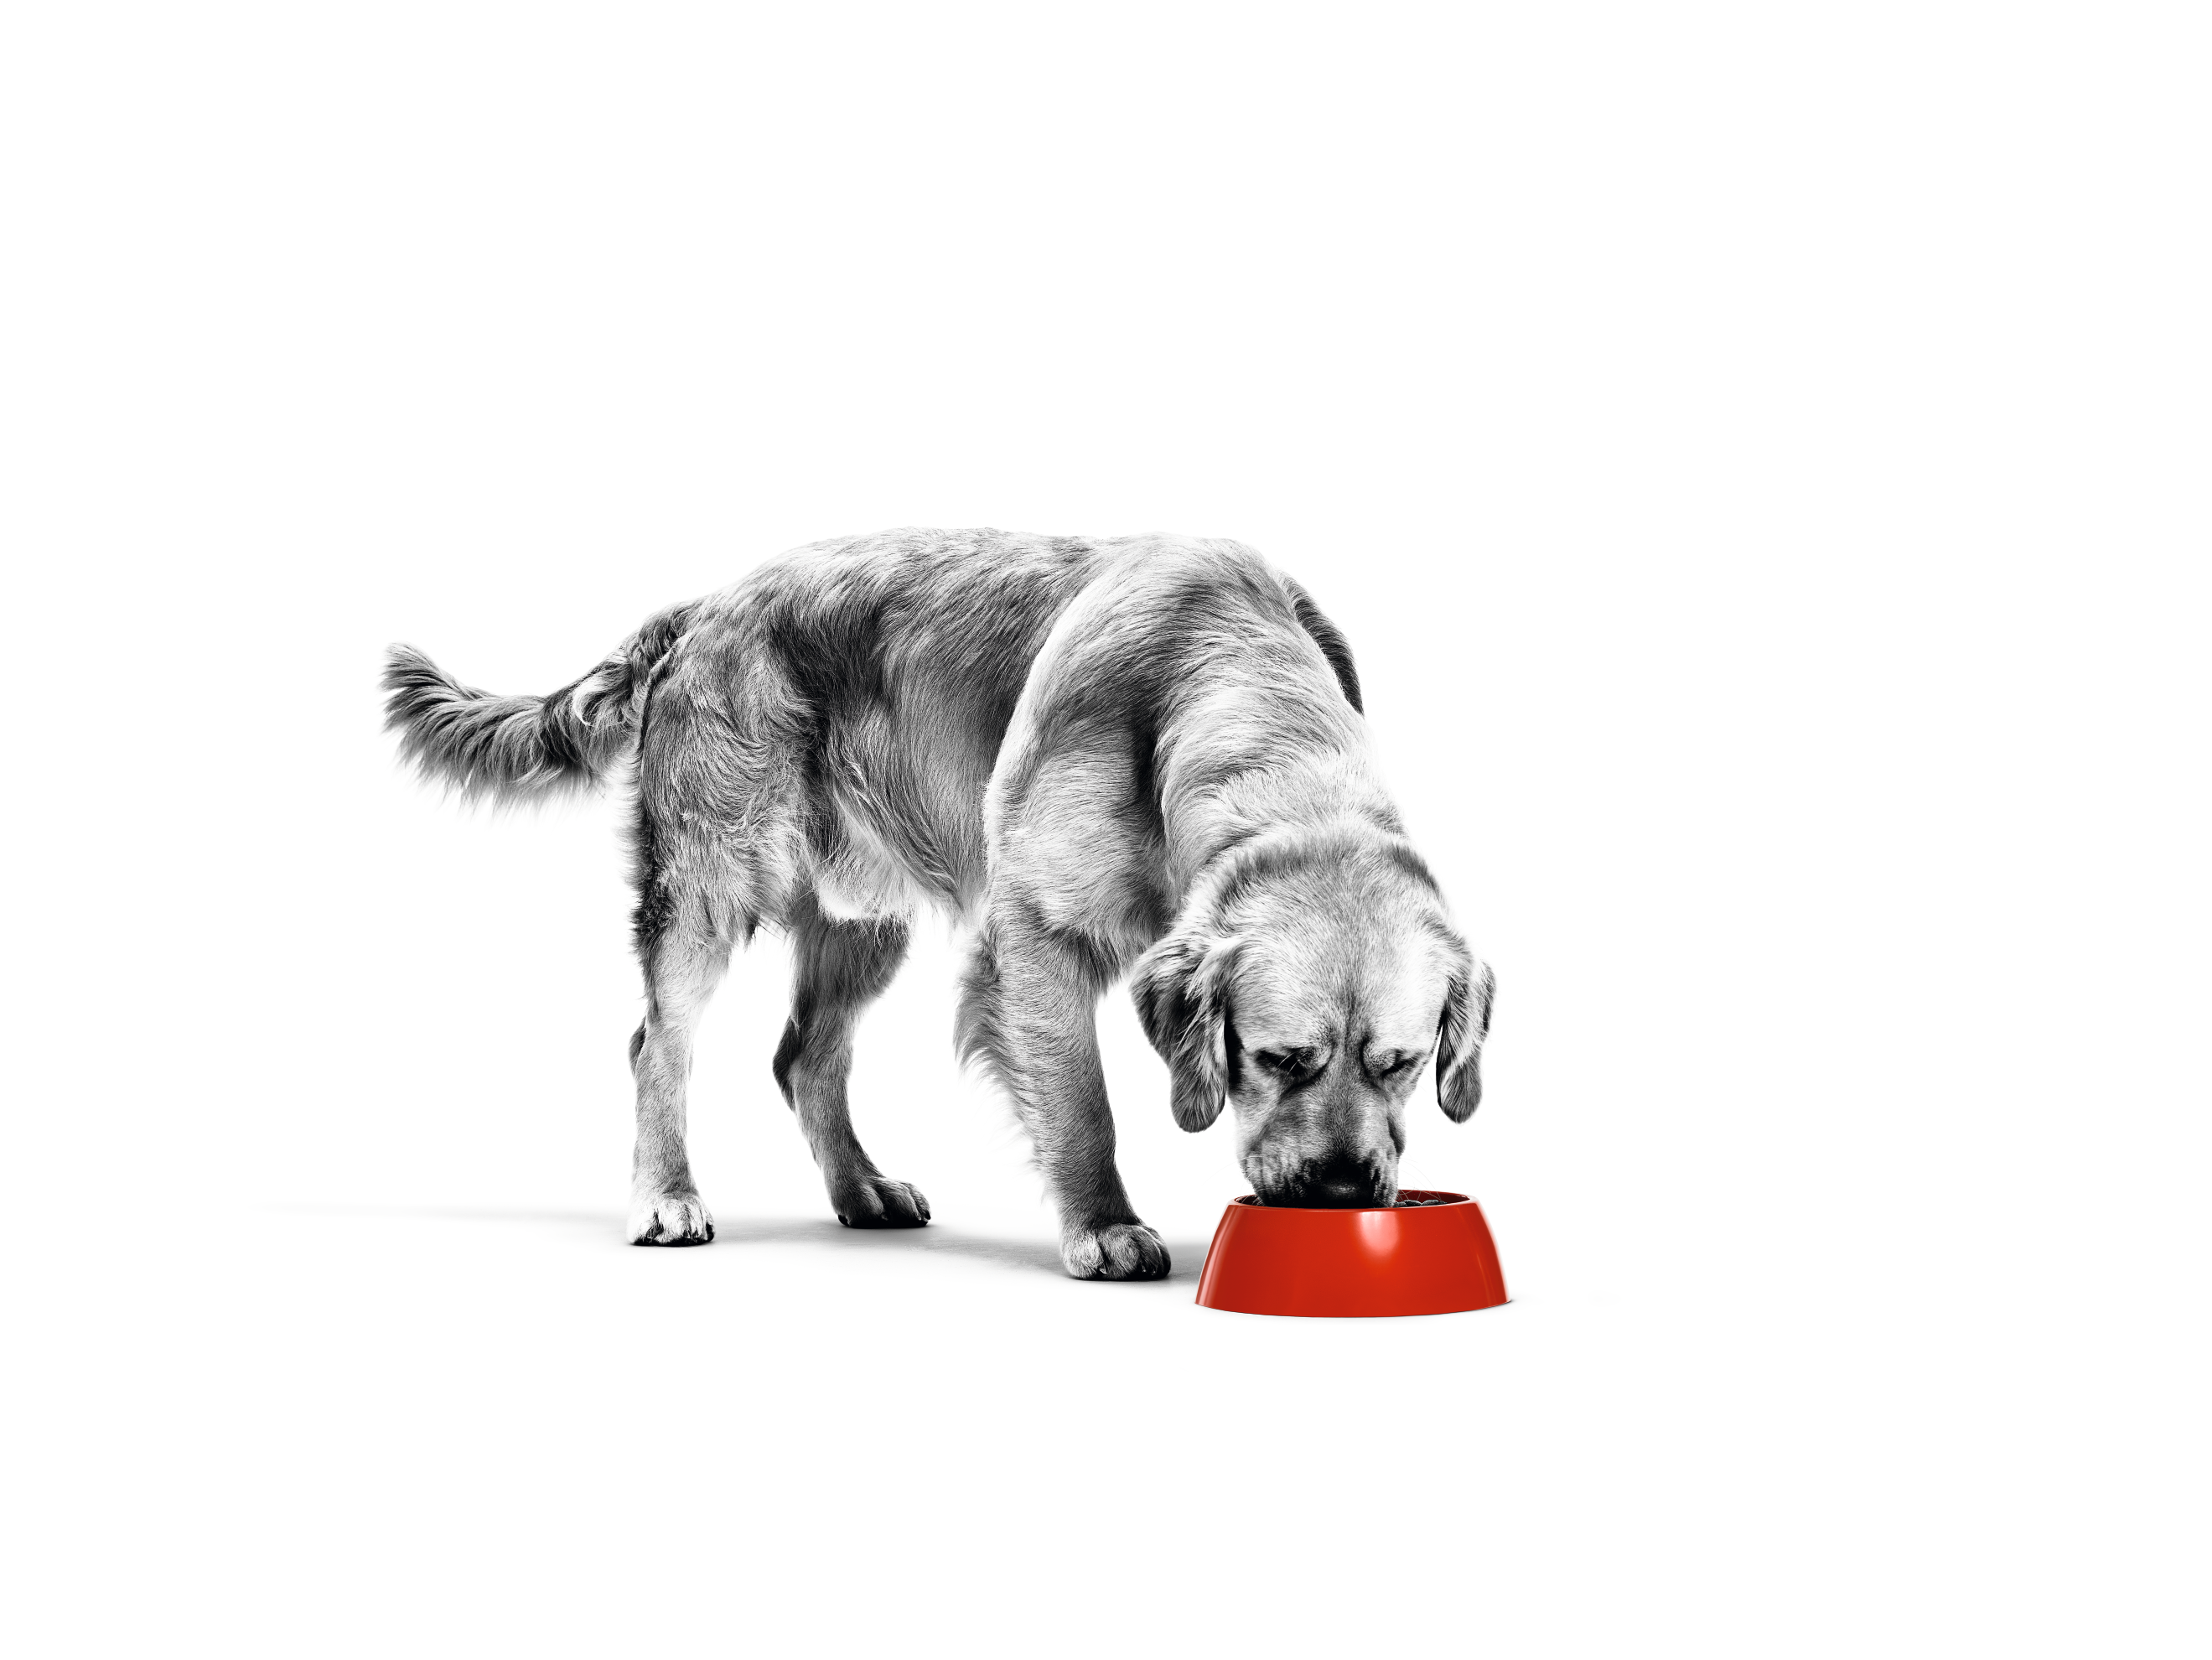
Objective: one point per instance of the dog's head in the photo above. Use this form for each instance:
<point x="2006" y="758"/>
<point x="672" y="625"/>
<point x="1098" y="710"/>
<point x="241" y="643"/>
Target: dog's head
<point x="1308" y="985"/>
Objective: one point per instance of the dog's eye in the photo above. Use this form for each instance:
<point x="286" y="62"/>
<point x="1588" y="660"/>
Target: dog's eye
<point x="1293" y="1064"/>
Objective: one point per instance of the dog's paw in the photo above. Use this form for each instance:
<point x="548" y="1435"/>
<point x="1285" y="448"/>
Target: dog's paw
<point x="876" y="1201"/>
<point x="1122" y="1250"/>
<point x="671" y="1218"/>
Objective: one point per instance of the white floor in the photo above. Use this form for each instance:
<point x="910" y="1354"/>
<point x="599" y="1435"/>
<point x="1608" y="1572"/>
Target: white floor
<point x="358" y="1429"/>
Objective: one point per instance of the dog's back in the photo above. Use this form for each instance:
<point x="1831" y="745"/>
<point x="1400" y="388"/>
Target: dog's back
<point x="855" y="695"/>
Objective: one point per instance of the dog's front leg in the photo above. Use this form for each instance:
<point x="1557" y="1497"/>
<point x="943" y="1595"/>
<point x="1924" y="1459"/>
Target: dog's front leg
<point x="1028" y="1014"/>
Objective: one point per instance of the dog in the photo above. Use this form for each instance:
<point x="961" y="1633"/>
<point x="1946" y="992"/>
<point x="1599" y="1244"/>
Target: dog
<point x="1143" y="755"/>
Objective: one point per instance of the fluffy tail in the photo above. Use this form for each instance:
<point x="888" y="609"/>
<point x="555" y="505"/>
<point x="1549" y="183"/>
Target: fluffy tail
<point x="524" y="749"/>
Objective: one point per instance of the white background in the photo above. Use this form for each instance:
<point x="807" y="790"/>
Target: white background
<point x="1759" y="456"/>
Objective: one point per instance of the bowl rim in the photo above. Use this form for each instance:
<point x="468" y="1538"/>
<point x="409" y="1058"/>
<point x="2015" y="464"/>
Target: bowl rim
<point x="1450" y="1201"/>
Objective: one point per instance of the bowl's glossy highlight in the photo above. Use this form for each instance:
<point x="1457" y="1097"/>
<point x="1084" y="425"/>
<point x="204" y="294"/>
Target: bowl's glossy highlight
<point x="1429" y="1254"/>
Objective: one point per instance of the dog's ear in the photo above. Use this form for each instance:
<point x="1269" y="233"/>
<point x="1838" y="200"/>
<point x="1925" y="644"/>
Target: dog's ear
<point x="1181" y="987"/>
<point x="1466" y="1023"/>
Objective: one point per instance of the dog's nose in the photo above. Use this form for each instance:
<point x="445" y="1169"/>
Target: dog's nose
<point x="1341" y="1181"/>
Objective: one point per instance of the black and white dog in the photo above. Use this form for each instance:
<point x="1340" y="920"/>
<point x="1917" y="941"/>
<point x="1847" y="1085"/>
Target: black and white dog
<point x="1146" y="750"/>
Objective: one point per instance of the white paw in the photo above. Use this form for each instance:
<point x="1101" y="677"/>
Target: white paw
<point x="670" y="1218"/>
<point x="1123" y="1251"/>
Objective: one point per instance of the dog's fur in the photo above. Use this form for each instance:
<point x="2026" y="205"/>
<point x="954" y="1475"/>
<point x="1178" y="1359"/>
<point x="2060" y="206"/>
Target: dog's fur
<point x="1145" y="752"/>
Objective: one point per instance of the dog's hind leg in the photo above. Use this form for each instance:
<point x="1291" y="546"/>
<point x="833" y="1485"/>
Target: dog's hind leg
<point x="684" y="954"/>
<point x="839" y="967"/>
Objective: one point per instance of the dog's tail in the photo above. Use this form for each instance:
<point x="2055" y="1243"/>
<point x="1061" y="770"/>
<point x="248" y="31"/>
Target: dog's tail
<point x="514" y="749"/>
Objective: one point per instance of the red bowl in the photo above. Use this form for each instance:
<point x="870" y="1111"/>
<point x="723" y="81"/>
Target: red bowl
<point x="1429" y="1254"/>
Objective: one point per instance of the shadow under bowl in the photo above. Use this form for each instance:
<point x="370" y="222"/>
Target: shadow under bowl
<point x="1431" y="1253"/>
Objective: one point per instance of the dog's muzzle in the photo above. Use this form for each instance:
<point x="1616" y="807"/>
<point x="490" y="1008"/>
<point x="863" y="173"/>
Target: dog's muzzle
<point x="1341" y="1181"/>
